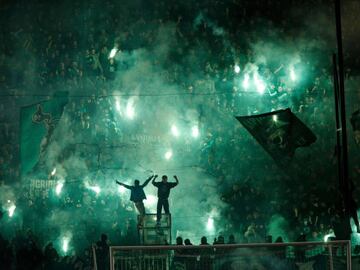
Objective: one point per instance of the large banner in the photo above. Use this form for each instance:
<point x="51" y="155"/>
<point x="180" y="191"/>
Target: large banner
<point x="39" y="186"/>
<point x="279" y="133"/>
<point x="37" y="124"/>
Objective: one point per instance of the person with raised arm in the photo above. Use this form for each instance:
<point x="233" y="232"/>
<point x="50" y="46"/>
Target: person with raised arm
<point x="138" y="195"/>
<point x="163" y="194"/>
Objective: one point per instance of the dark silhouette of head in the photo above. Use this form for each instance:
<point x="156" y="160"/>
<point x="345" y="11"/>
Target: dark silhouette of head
<point x="164" y="178"/>
<point x="231" y="239"/>
<point x="203" y="240"/>
<point x="136" y="182"/>
<point x="104" y="237"/>
<point x="179" y="240"/>
<point x="221" y="240"/>
<point x="279" y="240"/>
<point x="187" y="242"/>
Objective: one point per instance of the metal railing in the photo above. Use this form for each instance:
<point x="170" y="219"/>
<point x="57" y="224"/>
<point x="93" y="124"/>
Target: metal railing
<point x="300" y="255"/>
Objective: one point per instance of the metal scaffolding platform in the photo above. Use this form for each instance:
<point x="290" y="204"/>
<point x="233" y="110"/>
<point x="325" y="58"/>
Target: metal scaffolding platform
<point x="151" y="233"/>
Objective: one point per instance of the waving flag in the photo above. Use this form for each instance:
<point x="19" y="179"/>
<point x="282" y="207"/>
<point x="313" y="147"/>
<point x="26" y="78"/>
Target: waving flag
<point x="37" y="124"/>
<point x="279" y="133"/>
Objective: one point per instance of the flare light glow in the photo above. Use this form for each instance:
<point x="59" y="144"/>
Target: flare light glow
<point x="168" y="154"/>
<point x="195" y="131"/>
<point x="58" y="188"/>
<point x="117" y="105"/>
<point x="245" y="83"/>
<point x="292" y="74"/>
<point x="11" y="210"/>
<point x="210" y="224"/>
<point x="96" y="189"/>
<point x="65" y="244"/>
<point x="113" y="53"/>
<point x="175" y="131"/>
<point x="130" y="110"/>
<point x="326" y="237"/>
<point x="260" y="85"/>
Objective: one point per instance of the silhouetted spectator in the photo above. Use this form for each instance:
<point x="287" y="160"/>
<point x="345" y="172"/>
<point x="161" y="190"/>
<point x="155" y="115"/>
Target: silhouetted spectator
<point x="190" y="255"/>
<point x="280" y="251"/>
<point x="30" y="254"/>
<point x="178" y="259"/>
<point x="138" y="195"/>
<point x="203" y="241"/>
<point x="102" y="253"/>
<point x="163" y="193"/>
<point x="231" y="239"/>
<point x="6" y="254"/>
<point x="205" y="255"/>
<point x="220" y="240"/>
<point x="51" y="256"/>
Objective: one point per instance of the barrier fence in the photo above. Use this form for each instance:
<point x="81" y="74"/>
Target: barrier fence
<point x="332" y="255"/>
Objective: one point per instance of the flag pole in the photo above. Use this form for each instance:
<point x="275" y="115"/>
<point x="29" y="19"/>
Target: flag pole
<point x="344" y="153"/>
<point x="337" y="121"/>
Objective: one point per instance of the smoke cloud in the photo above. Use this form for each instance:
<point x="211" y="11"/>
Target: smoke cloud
<point x="122" y="128"/>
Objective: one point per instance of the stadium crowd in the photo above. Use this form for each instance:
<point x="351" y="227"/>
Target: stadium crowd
<point x="69" y="49"/>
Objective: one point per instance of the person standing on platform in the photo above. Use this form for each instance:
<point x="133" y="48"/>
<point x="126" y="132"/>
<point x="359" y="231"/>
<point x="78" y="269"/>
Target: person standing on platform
<point x="163" y="194"/>
<point x="138" y="195"/>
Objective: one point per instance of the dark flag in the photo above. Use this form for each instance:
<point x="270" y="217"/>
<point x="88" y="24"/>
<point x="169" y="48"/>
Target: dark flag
<point x="279" y="133"/>
<point x="37" y="124"/>
<point x="355" y="122"/>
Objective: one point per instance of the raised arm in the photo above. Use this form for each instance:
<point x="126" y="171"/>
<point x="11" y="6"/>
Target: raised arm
<point x="176" y="179"/>
<point x="153" y="181"/>
<point x="122" y="184"/>
<point x="147" y="181"/>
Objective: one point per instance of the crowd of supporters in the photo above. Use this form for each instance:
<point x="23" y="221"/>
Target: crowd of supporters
<point x="45" y="51"/>
<point x="220" y="254"/>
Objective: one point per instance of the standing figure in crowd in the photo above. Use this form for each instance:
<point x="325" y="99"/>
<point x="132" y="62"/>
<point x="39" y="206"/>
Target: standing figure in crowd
<point x="138" y="195"/>
<point x="102" y="252"/>
<point x="163" y="194"/>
